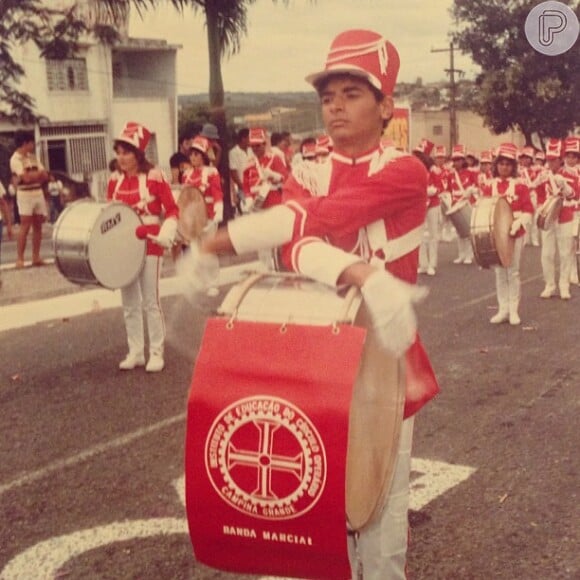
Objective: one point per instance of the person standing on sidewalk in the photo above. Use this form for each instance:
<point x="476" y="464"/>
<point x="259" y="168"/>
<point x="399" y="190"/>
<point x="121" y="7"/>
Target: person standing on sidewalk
<point x="4" y="215"/>
<point x="30" y="176"/>
<point x="144" y="188"/>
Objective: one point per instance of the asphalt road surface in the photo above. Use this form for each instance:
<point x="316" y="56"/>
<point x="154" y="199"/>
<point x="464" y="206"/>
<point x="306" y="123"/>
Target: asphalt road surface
<point x="91" y="458"/>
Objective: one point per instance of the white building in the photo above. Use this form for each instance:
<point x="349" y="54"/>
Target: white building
<point x="84" y="101"/>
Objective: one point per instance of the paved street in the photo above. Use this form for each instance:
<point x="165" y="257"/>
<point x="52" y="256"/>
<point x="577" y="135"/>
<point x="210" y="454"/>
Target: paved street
<point x="92" y="458"/>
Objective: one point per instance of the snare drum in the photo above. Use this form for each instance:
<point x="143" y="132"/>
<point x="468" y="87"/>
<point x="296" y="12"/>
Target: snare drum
<point x="376" y="411"/>
<point x="549" y="212"/>
<point x="490" y="232"/>
<point x="460" y="216"/>
<point x="95" y="243"/>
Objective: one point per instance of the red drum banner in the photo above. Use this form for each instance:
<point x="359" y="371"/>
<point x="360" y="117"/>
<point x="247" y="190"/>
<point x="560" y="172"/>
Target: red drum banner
<point x="266" y="443"/>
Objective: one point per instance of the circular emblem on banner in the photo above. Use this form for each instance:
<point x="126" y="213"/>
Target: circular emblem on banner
<point x="265" y="458"/>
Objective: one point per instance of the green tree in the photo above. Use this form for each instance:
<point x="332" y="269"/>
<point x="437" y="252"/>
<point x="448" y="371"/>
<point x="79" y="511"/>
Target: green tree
<point x="518" y="88"/>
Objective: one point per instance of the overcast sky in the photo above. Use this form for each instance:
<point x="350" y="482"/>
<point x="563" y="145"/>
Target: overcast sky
<point x="284" y="44"/>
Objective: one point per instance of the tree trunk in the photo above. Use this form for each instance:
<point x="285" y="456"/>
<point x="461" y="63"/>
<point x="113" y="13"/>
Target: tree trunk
<point x="216" y="100"/>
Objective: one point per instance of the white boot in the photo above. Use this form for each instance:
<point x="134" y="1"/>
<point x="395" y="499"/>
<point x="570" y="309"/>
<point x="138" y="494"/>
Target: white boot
<point x="500" y="317"/>
<point x="131" y="361"/>
<point x="155" y="363"/>
<point x="548" y="292"/>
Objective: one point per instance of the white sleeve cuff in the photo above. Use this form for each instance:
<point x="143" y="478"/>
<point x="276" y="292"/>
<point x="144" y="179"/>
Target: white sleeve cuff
<point x="262" y="230"/>
<point x="320" y="261"/>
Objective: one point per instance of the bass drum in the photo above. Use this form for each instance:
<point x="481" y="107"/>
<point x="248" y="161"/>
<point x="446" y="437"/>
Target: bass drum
<point x="96" y="243"/>
<point x="549" y="212"/>
<point x="460" y="216"/>
<point x="491" y="222"/>
<point x="376" y="412"/>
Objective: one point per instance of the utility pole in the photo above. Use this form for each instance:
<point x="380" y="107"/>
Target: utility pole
<point x="453" y="88"/>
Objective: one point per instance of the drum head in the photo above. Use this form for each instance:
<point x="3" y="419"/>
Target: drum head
<point x="115" y="254"/>
<point x="502" y="223"/>
<point x="192" y="213"/>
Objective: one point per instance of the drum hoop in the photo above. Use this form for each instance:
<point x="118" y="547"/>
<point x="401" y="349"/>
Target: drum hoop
<point x="246" y="286"/>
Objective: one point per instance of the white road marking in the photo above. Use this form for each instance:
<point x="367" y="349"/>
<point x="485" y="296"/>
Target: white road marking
<point x="28" y="313"/>
<point x="44" y="560"/>
<point x="89" y="453"/>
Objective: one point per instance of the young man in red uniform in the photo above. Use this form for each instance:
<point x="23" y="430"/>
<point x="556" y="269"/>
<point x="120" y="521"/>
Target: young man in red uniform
<point x="462" y="182"/>
<point x="559" y="237"/>
<point x="357" y="219"/>
<point x="263" y="175"/>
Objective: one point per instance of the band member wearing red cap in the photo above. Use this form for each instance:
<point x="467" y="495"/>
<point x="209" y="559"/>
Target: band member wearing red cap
<point x="357" y="219"/>
<point x="144" y="188"/>
<point x="559" y="237"/>
<point x="430" y="243"/>
<point x="528" y="174"/>
<point x="462" y="183"/>
<point x="206" y="178"/>
<point x="571" y="170"/>
<point x="505" y="183"/>
<point x="263" y="175"/>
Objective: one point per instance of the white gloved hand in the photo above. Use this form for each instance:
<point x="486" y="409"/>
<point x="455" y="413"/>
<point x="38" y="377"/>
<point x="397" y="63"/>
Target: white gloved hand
<point x="272" y="175"/>
<point x="563" y="185"/>
<point x="390" y="301"/>
<point x="247" y="204"/>
<point x="197" y="271"/>
<point x="515" y="227"/>
<point x="167" y="233"/>
<point x="431" y="190"/>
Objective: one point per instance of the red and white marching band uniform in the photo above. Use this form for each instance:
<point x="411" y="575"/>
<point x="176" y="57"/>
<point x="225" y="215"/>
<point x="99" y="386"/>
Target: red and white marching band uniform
<point x="371" y="207"/>
<point x="528" y="174"/>
<point x="462" y="184"/>
<point x="560" y="236"/>
<point x="263" y="175"/>
<point x="507" y="280"/>
<point x="571" y="170"/>
<point x="149" y="194"/>
<point x="428" y="250"/>
<point x="207" y="179"/>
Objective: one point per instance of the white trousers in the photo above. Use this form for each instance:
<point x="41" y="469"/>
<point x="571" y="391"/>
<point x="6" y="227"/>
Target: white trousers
<point x="430" y="241"/>
<point x="558" y="239"/>
<point x="464" y="249"/>
<point x="508" y="283"/>
<point x="141" y="298"/>
<point x="380" y="550"/>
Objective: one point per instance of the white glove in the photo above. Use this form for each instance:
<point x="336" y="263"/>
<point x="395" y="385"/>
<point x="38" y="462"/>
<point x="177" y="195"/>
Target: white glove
<point x="515" y="227"/>
<point x="431" y="190"/>
<point x="390" y="305"/>
<point x="563" y="185"/>
<point x="196" y="271"/>
<point x="272" y="175"/>
<point x="218" y="209"/>
<point x="246" y="204"/>
<point x="167" y="233"/>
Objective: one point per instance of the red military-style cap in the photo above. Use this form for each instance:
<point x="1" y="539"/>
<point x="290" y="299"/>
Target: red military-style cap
<point x="507" y="151"/>
<point x="201" y="144"/>
<point x="486" y="157"/>
<point x="440" y="151"/>
<point x="458" y="152"/>
<point x="257" y="136"/>
<point x="553" y="149"/>
<point x="362" y="53"/>
<point x="526" y="152"/>
<point x="136" y="135"/>
<point x="424" y="146"/>
<point x="572" y="145"/>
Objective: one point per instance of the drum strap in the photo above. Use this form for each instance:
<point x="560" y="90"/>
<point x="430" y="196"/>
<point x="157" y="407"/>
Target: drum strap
<point x="144" y="195"/>
<point x="458" y="181"/>
<point x="391" y="249"/>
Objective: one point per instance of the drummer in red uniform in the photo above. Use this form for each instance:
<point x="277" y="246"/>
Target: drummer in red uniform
<point x="264" y="174"/>
<point x="428" y="251"/>
<point x="505" y="183"/>
<point x="559" y="237"/>
<point x="144" y="188"/>
<point x="571" y="170"/>
<point x="357" y="219"/>
<point x="462" y="183"/>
